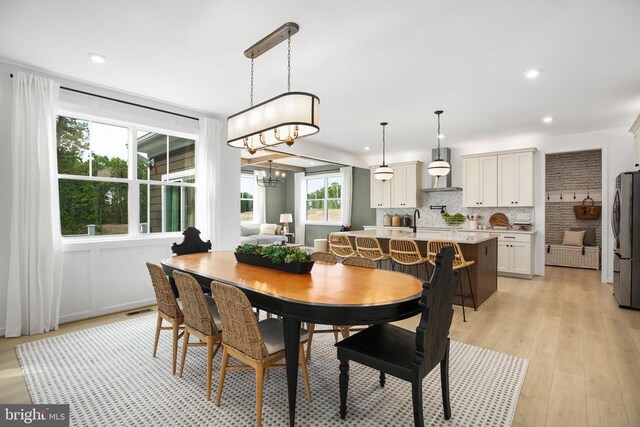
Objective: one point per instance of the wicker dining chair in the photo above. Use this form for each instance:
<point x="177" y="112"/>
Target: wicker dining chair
<point x="406" y="253"/>
<point x="369" y="247"/>
<point x="459" y="263"/>
<point x="358" y="261"/>
<point x="324" y="257"/>
<point x="168" y="310"/>
<point x="198" y="321"/>
<point x="340" y="246"/>
<point x="257" y="344"/>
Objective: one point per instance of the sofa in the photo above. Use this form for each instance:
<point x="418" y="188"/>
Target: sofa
<point x="250" y="233"/>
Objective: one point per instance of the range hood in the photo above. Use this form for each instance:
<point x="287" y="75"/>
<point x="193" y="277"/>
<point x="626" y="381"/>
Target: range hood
<point x="442" y="183"/>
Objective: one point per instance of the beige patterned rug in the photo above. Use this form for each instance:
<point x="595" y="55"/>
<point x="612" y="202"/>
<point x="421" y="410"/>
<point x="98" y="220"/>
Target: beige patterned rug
<point x="109" y="378"/>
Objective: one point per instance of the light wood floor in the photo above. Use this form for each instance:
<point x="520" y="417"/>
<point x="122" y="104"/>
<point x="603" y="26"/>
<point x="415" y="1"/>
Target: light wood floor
<point x="583" y="351"/>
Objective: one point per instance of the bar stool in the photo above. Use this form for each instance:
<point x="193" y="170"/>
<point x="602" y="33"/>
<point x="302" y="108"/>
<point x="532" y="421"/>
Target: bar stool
<point x="340" y="246"/>
<point x="369" y="247"/>
<point x="406" y="253"/>
<point x="459" y="263"/>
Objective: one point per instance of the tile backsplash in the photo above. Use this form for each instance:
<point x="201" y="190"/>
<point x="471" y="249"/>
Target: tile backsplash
<point x="453" y="201"/>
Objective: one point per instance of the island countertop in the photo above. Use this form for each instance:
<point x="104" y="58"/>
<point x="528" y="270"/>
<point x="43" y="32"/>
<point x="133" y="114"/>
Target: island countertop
<point x="469" y="238"/>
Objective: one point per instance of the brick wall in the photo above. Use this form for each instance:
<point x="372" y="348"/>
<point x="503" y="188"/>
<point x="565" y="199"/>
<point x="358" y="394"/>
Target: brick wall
<point x="580" y="170"/>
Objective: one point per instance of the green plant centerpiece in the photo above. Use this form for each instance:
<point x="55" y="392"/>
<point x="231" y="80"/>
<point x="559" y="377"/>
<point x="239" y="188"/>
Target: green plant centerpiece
<point x="454" y="221"/>
<point x="284" y="258"/>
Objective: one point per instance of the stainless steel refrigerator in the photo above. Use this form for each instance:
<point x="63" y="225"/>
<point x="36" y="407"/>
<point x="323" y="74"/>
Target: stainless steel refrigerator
<point x="625" y="221"/>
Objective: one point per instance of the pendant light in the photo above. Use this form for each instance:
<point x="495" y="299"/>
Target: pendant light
<point x="439" y="167"/>
<point x="384" y="172"/>
<point x="272" y="180"/>
<point x="279" y="120"/>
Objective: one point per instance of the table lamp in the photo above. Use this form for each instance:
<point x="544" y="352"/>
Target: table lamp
<point x="286" y="218"/>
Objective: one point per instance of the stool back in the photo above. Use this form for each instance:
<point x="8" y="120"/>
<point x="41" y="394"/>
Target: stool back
<point x="369" y="247"/>
<point x="324" y="257"/>
<point x="358" y="261"/>
<point x="435" y="246"/>
<point x="405" y="251"/>
<point x="339" y="245"/>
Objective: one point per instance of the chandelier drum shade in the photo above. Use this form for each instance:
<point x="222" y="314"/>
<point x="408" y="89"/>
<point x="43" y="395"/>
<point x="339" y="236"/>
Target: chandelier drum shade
<point x="279" y="120"/>
<point x="439" y="167"/>
<point x="384" y="172"/>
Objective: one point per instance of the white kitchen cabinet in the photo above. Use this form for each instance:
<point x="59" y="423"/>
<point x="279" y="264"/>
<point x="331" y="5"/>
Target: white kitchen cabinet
<point x="480" y="177"/>
<point x="515" y="179"/>
<point x="515" y="254"/>
<point x="405" y="185"/>
<point x="380" y="192"/>
<point x="401" y="191"/>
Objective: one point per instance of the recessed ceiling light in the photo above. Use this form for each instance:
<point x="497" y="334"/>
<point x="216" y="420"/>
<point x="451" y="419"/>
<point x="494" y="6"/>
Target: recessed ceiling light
<point x="441" y="136"/>
<point x="532" y="74"/>
<point x="313" y="163"/>
<point x="367" y="148"/>
<point x="548" y="119"/>
<point x="97" y="58"/>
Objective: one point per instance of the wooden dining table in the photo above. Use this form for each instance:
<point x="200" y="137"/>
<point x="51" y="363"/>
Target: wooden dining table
<point x="332" y="294"/>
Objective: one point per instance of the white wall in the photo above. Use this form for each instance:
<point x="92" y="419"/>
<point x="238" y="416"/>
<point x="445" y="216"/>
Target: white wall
<point x="617" y="156"/>
<point x="106" y="274"/>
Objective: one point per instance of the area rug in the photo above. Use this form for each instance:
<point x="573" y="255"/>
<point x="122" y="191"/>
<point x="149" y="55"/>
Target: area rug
<point x="109" y="378"/>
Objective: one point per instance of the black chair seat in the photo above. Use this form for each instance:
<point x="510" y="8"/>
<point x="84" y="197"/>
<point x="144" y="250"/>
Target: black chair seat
<point x="391" y="347"/>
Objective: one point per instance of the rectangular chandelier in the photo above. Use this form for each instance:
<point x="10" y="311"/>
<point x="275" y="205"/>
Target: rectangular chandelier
<point x="282" y="119"/>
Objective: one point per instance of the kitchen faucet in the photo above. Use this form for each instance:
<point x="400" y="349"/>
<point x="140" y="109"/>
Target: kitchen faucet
<point x="415" y="223"/>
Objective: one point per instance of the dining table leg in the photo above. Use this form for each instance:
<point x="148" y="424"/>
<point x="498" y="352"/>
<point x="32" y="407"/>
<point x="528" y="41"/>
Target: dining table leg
<point x="292" y="351"/>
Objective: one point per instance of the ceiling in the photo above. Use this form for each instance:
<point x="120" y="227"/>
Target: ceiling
<point x="368" y="60"/>
<point x="261" y="158"/>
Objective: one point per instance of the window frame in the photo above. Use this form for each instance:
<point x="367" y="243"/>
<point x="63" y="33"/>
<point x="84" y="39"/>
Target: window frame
<point x="326" y="177"/>
<point x="246" y="175"/>
<point x="132" y="181"/>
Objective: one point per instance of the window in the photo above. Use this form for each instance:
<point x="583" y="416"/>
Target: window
<point x="324" y="198"/>
<point x="102" y="167"/>
<point x="247" y="189"/>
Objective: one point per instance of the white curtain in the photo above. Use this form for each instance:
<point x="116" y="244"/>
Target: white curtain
<point x="35" y="262"/>
<point x="299" y="202"/>
<point x="217" y="186"/>
<point x="259" y="200"/>
<point x="347" y="194"/>
<point x="205" y="160"/>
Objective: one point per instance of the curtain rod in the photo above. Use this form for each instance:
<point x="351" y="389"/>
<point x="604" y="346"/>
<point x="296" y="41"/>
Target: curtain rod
<point x="124" y="102"/>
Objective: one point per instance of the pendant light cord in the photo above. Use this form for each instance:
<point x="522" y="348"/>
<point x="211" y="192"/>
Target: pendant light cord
<point x="289" y="63"/>
<point x="383" y="145"/>
<point x="438" y="136"/>
<point x="252" y="80"/>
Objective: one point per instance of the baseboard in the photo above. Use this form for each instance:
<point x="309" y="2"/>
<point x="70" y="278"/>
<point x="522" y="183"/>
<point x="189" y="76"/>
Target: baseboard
<point x="105" y="310"/>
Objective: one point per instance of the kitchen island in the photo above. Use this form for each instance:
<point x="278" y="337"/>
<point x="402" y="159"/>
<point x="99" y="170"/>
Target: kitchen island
<point x="479" y="247"/>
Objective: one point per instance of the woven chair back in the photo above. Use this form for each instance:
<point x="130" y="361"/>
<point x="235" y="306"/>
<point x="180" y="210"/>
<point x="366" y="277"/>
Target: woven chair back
<point x="339" y="245"/>
<point x="165" y="297"/>
<point x="194" y="306"/>
<point x="436" y="302"/>
<point x="324" y="257"/>
<point x="405" y="251"/>
<point x="369" y="247"/>
<point x="435" y="246"/>
<point x="240" y="326"/>
<point x="358" y="261"/>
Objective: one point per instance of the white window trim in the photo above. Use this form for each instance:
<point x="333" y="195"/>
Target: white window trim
<point x="326" y="206"/>
<point x="133" y="200"/>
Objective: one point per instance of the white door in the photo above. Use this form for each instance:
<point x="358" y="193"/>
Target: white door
<point x="504" y="256"/>
<point x="506" y="180"/>
<point x="489" y="177"/>
<point x="524" y="179"/>
<point x="520" y="258"/>
<point x="399" y="187"/>
<point x="471" y="196"/>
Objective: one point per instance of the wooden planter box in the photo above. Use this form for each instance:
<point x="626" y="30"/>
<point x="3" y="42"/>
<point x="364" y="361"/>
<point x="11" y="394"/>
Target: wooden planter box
<point x="260" y="261"/>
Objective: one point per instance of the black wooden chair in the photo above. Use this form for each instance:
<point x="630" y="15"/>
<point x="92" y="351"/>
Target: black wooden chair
<point x="404" y="354"/>
<point x="191" y="244"/>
